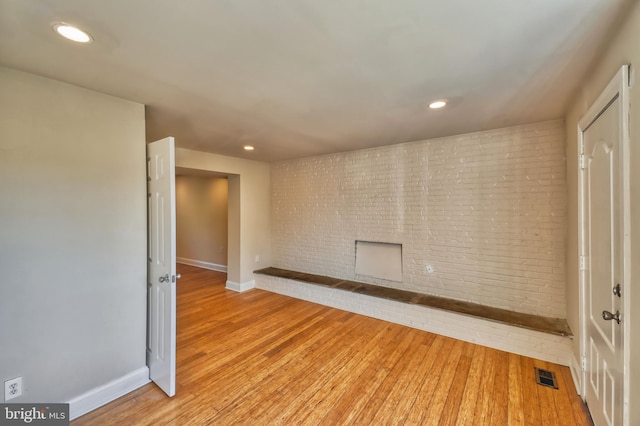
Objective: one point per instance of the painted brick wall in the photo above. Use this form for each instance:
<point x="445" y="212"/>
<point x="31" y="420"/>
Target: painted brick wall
<point x="487" y="210"/>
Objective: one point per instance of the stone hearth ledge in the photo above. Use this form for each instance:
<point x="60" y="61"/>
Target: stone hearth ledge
<point x="556" y="326"/>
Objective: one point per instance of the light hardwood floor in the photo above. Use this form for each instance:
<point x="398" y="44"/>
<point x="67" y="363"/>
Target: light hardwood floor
<point x="258" y="358"/>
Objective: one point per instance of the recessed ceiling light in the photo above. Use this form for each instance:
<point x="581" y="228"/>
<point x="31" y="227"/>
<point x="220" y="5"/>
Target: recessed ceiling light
<point x="72" y="33"/>
<point x="437" y="104"/>
<point x="248" y="148"/>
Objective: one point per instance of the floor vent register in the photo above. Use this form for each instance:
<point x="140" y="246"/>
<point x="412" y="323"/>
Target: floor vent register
<point x="546" y="378"/>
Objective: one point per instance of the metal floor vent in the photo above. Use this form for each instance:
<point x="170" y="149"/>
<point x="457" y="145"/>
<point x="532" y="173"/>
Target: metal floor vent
<point x="546" y="378"/>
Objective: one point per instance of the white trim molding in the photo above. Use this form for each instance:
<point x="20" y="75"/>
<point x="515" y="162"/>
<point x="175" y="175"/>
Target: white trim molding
<point x="240" y="287"/>
<point x="202" y="264"/>
<point x="576" y="374"/>
<point x="108" y="392"/>
<point x="517" y="340"/>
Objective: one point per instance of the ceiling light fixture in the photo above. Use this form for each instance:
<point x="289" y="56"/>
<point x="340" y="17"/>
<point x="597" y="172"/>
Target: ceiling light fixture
<point x="72" y="33"/>
<point x="248" y="148"/>
<point x="437" y="104"/>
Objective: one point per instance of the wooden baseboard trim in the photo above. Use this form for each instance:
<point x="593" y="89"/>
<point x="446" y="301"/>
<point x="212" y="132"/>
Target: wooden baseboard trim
<point x="576" y="373"/>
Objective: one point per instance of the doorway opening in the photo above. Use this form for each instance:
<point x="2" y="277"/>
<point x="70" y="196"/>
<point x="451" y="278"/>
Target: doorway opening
<point x="202" y="223"/>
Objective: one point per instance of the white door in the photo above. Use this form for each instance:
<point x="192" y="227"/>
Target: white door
<point x="161" y="346"/>
<point x="603" y="249"/>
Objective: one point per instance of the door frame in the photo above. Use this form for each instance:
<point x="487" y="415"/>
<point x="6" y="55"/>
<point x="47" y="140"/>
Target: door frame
<point x="618" y="87"/>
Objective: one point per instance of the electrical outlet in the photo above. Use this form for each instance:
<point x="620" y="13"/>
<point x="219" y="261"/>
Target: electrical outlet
<point x="430" y="269"/>
<point x="12" y="388"/>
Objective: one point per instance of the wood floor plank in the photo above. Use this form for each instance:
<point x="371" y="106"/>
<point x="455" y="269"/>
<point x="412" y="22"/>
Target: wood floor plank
<point x="515" y="409"/>
<point x="466" y="406"/>
<point x="326" y="338"/>
<point x="260" y="358"/>
<point x="562" y="398"/>
<point x="500" y="397"/>
<point x="357" y="397"/>
<point x="374" y="409"/>
<point x="452" y="405"/>
<point x="404" y="394"/>
<point x="579" y="410"/>
<point x="311" y="381"/>
<point x="318" y="404"/>
<point x="484" y="402"/>
<point x="438" y="356"/>
<point x="445" y="381"/>
<point x="548" y="415"/>
<point x="397" y="403"/>
<point x="253" y="400"/>
<point x="260" y="373"/>
<point x="532" y="408"/>
<point x="244" y="347"/>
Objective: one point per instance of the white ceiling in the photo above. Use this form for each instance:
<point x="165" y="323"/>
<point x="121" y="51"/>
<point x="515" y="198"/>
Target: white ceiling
<point x="305" y="77"/>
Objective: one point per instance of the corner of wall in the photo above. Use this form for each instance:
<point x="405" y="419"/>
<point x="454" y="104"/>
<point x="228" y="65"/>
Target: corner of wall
<point x="108" y="392"/>
<point x="240" y="287"/>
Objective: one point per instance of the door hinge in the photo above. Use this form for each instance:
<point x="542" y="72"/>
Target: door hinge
<point x="584" y="363"/>
<point x="582" y="162"/>
<point x="583" y="263"/>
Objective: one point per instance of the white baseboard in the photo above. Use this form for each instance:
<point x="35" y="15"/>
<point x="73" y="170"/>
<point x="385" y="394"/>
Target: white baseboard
<point x="202" y="264"/>
<point x="517" y="340"/>
<point x="240" y="287"/>
<point x="576" y="374"/>
<point x="108" y="392"/>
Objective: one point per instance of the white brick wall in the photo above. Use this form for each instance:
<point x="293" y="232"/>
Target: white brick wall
<point x="535" y="344"/>
<point x="487" y="210"/>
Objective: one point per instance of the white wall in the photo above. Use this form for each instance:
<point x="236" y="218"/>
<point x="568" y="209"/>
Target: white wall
<point x="249" y="210"/>
<point x="486" y="210"/>
<point x="624" y="48"/>
<point x="72" y="237"/>
<point x="201" y="219"/>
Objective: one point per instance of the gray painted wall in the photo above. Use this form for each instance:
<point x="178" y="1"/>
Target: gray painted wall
<point x="72" y="237"/>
